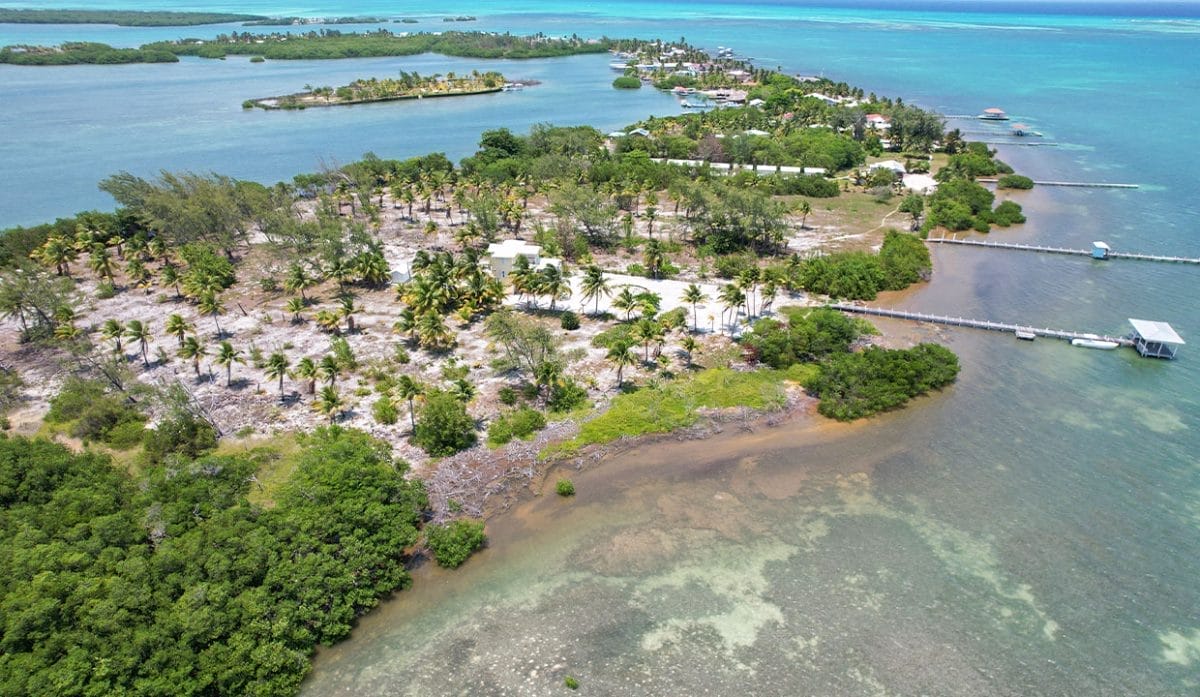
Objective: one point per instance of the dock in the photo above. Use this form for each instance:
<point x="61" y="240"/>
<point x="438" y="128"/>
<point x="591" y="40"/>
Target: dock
<point x="1064" y="250"/>
<point x="1018" y="330"/>
<point x="1081" y="185"/>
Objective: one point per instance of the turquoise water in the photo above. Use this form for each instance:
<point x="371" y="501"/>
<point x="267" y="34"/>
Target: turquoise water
<point x="1035" y="530"/>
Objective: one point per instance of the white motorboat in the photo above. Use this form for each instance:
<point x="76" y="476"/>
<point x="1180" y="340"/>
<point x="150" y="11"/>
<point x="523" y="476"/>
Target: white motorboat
<point x="1094" y="341"/>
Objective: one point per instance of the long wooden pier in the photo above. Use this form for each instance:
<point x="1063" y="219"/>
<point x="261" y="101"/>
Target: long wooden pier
<point x="979" y="324"/>
<point x="1080" y="185"/>
<point x="1063" y="250"/>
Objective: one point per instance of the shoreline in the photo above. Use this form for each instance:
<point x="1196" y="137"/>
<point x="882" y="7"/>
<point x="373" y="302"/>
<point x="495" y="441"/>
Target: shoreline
<point x="265" y="103"/>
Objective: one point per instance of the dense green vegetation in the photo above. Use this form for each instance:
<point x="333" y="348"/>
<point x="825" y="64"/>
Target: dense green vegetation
<point x="960" y="203"/>
<point x="806" y="336"/>
<point x="122" y="18"/>
<point x="77" y="52"/>
<point x="902" y="260"/>
<point x="627" y="82"/>
<point x="329" y="44"/>
<point x="451" y="543"/>
<point x="1014" y="181"/>
<point x="405" y="86"/>
<point x="854" y="385"/>
<point x="172" y="583"/>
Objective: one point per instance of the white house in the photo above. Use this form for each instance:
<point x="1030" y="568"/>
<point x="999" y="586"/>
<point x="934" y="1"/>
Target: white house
<point x="897" y="167"/>
<point x="878" y="121"/>
<point x="503" y="255"/>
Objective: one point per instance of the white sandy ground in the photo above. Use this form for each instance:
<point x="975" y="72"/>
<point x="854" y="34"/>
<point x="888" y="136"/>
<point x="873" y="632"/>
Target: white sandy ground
<point x="253" y="318"/>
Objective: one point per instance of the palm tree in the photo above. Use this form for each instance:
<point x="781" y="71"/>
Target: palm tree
<point x="556" y="282"/>
<point x="227" y="355"/>
<point x="113" y="331"/>
<point x="406" y="323"/>
<point x="347" y="310"/>
<point x="410" y="389"/>
<point x="139" y="331"/>
<point x="732" y="298"/>
<point x="178" y="327"/>
<point x="277" y="368"/>
<point x="60" y="253"/>
<point x="100" y="262"/>
<point x="621" y="355"/>
<point x="626" y="300"/>
<point x="297" y="279"/>
<point x="211" y="304"/>
<point x="593" y="286"/>
<point x="432" y="332"/>
<point x="169" y="276"/>
<point x="296" y="307"/>
<point x="341" y="271"/>
<point x="748" y="280"/>
<point x="804" y="208"/>
<point x="329" y="320"/>
<point x="193" y="350"/>
<point x="689" y="346"/>
<point x="646" y="331"/>
<point x="306" y="369"/>
<point x="329" y="403"/>
<point x="694" y="296"/>
<point x="329" y="368"/>
<point x="654" y="257"/>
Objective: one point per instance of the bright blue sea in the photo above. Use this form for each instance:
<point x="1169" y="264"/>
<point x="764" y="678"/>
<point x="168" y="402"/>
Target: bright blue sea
<point x="1035" y="530"/>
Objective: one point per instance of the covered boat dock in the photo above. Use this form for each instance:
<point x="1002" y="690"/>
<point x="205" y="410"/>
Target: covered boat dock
<point x="1155" y="339"/>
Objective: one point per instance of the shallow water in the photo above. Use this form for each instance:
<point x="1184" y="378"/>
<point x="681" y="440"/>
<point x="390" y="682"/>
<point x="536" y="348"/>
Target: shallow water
<point x="1032" y="530"/>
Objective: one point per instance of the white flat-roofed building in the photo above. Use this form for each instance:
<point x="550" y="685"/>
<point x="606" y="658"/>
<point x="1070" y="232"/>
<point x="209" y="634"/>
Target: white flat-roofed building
<point x="503" y="255"/>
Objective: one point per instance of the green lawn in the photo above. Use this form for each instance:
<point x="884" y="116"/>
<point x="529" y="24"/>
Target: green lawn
<point x="676" y="404"/>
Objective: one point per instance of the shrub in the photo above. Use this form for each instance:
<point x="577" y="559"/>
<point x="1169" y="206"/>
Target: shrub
<point x="105" y="290"/>
<point x="809" y="335"/>
<point x="71" y="401"/>
<point x="444" y="427"/>
<point x="499" y="431"/>
<point x="1014" y="181"/>
<point x="627" y="82"/>
<point x="565" y="487"/>
<point x="571" y="683"/>
<point x="384" y="410"/>
<point x="566" y="395"/>
<point x="508" y="396"/>
<point x="451" y="543"/>
<point x="182" y="433"/>
<point x="526" y="421"/>
<point x="1008" y="213"/>
<point x="126" y="434"/>
<point x="268" y="284"/>
<point x="569" y="320"/>
<point x="905" y="260"/>
<point x="853" y="385"/>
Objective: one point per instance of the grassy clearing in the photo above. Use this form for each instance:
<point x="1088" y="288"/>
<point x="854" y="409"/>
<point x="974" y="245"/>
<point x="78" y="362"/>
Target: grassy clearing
<point x="666" y="407"/>
<point x="276" y="457"/>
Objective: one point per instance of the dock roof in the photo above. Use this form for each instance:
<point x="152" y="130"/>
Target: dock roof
<point x="1158" y="332"/>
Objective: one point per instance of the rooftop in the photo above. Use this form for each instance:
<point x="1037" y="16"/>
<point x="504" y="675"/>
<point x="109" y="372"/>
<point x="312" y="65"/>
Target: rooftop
<point x="1158" y="332"/>
<point x="511" y="248"/>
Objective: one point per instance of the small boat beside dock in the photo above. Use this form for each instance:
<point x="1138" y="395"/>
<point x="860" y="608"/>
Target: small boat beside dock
<point x="1150" y="339"/>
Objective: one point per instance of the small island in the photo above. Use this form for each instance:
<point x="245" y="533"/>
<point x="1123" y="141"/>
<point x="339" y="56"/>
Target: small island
<point x="123" y="18"/>
<point x="406" y="86"/>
